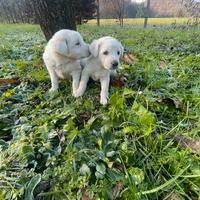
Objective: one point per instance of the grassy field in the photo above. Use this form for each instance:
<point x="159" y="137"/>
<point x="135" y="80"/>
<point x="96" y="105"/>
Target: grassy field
<point x="140" y="21"/>
<point x="144" y="145"/>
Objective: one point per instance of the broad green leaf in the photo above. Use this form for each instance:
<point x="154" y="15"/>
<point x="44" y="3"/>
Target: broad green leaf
<point x="84" y="170"/>
<point x="101" y="168"/>
<point x="129" y="129"/>
<point x="90" y="122"/>
<point x="110" y="154"/>
<point x="128" y="92"/>
<point x="136" y="174"/>
<point x="115" y="175"/>
<point x="99" y="175"/>
<point x="31" y="186"/>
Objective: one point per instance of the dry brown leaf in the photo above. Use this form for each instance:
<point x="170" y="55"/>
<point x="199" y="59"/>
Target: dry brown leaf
<point x="129" y="59"/>
<point x="110" y="164"/>
<point x="119" y="166"/>
<point x="117" y="83"/>
<point x="117" y="189"/>
<point x="120" y="82"/>
<point x="9" y="81"/>
<point x="84" y="196"/>
<point x="85" y="115"/>
<point x="172" y="102"/>
<point x="162" y="65"/>
<point x="188" y="142"/>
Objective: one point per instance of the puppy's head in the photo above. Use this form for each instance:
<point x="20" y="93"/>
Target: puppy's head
<point x="108" y="50"/>
<point x="70" y="44"/>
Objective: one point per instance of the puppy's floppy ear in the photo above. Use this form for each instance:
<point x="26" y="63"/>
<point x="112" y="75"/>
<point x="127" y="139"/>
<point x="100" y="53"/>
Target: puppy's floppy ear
<point x="94" y="48"/>
<point x="61" y="47"/>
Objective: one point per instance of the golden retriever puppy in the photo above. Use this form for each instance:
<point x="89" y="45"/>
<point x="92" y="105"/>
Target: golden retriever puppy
<point x="104" y="60"/>
<point x="62" y="57"/>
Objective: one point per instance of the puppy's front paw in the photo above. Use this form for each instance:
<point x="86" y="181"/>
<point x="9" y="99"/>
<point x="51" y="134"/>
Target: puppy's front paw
<point x="53" y="89"/>
<point x="77" y="93"/>
<point x="104" y="100"/>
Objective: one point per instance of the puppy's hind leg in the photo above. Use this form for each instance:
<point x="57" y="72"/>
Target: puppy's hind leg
<point x="54" y="80"/>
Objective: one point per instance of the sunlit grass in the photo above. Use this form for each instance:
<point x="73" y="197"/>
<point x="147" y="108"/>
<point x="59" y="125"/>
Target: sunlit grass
<point x="140" y="21"/>
<point x="55" y="146"/>
<point x="5" y="28"/>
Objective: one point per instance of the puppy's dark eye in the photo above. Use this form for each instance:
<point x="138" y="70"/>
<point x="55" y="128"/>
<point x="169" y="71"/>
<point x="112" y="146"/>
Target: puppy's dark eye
<point x="78" y="44"/>
<point x="105" y="53"/>
<point x="118" y="52"/>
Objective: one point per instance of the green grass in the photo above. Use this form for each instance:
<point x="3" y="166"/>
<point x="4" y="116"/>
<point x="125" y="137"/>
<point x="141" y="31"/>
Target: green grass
<point x="140" y="21"/>
<point x="6" y="28"/>
<point x="144" y="145"/>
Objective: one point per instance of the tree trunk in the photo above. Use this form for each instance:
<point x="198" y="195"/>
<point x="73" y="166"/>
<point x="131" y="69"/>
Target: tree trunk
<point x="53" y="15"/>
<point x="147" y="14"/>
<point x="5" y="12"/>
<point x="98" y="14"/>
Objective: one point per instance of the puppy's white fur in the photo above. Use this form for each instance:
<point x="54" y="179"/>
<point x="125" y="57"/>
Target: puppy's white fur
<point x="105" y="58"/>
<point x="61" y="57"/>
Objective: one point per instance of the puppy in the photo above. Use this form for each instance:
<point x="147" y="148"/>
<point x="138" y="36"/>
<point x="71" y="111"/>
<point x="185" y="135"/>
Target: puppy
<point x="103" y="62"/>
<point x="61" y="57"/>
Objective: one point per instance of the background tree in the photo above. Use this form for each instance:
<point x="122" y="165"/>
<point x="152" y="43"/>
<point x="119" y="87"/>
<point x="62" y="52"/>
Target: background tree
<point x="84" y="10"/>
<point x="147" y="13"/>
<point x="119" y="7"/>
<point x="20" y="11"/>
<point x="167" y="8"/>
<point x="114" y="9"/>
<point x="98" y="13"/>
<point x="131" y="9"/>
<point x="15" y="11"/>
<point x="53" y="15"/>
<point x="140" y="11"/>
<point x="106" y="9"/>
<point x="193" y="9"/>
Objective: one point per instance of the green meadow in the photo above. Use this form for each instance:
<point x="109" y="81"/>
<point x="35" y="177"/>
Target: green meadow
<point x="144" y="145"/>
<point x="140" y="21"/>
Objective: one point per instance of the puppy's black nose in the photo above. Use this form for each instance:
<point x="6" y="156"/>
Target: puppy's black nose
<point x="115" y="64"/>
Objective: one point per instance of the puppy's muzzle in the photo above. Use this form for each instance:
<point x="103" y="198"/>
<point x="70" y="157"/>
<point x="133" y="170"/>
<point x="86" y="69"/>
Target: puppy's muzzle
<point x="115" y="64"/>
